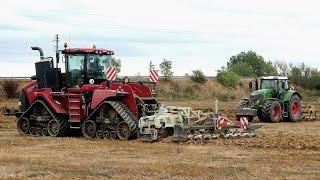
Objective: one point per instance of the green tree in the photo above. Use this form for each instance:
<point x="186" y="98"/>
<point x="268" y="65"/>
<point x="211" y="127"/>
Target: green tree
<point x="198" y="76"/>
<point x="268" y="69"/>
<point x="166" y="69"/>
<point x="257" y="63"/>
<point x="116" y="63"/>
<point x="243" y="69"/>
<point x="227" y="77"/>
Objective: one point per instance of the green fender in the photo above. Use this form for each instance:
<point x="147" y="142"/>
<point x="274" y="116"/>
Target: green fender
<point x="287" y="95"/>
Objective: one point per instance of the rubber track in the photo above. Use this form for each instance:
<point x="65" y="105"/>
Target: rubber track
<point x="124" y="112"/>
<point x="126" y="115"/>
<point x="64" y="128"/>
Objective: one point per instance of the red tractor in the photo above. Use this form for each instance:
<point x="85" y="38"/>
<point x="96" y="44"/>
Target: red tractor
<point x="82" y="99"/>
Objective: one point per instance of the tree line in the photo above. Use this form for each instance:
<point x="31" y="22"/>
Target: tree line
<point x="248" y="64"/>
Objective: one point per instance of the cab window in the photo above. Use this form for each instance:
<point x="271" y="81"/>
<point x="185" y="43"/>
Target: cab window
<point x="75" y="68"/>
<point x="97" y="65"/>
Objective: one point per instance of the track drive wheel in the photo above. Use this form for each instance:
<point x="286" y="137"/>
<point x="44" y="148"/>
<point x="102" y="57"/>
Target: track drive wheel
<point x="123" y="131"/>
<point x="295" y="109"/>
<point x="23" y="125"/>
<point x="271" y="112"/>
<point x="89" y="129"/>
<point x="53" y="128"/>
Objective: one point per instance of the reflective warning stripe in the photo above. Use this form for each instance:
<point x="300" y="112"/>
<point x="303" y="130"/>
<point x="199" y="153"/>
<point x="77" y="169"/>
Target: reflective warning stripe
<point x="111" y="73"/>
<point x="154" y="76"/>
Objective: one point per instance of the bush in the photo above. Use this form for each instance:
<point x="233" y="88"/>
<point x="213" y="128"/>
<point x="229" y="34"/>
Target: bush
<point x="198" y="76"/>
<point x="10" y="88"/>
<point x="227" y="78"/>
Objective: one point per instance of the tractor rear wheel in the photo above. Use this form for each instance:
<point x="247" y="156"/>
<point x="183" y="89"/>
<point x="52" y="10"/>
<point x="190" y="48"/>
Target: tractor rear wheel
<point x="23" y="125"/>
<point x="271" y="112"/>
<point x="294" y="109"/>
<point x="89" y="129"/>
<point x="123" y="131"/>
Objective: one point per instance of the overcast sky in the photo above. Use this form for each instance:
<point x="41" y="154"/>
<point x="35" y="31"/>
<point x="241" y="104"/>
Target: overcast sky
<point x="194" y="34"/>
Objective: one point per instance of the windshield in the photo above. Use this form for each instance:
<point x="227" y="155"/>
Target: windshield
<point x="269" y="84"/>
<point x="97" y="65"/>
<point x="75" y="69"/>
<point x="78" y="72"/>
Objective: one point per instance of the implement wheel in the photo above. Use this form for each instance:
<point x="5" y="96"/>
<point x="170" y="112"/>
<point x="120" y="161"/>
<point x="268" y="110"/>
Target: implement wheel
<point x="123" y="131"/>
<point x="23" y="126"/>
<point x="89" y="129"/>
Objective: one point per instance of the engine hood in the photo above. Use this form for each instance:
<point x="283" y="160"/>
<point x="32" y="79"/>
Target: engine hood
<point x="259" y="97"/>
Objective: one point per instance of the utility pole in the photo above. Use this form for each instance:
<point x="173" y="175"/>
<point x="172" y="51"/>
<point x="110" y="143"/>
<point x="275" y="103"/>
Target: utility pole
<point x="56" y="46"/>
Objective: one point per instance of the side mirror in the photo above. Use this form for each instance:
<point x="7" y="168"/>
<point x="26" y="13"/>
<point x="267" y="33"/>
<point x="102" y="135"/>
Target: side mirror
<point x="250" y="86"/>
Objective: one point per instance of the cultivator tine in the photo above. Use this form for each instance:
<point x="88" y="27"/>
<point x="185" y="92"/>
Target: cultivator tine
<point x="180" y="134"/>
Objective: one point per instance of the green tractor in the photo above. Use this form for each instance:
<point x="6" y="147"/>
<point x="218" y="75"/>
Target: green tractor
<point x="271" y="100"/>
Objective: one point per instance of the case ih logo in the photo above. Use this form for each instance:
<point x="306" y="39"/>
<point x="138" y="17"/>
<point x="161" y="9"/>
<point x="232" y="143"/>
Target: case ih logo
<point x="154" y="76"/>
<point x="111" y="73"/>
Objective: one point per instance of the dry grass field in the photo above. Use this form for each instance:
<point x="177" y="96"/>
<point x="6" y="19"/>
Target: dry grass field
<point x="281" y="151"/>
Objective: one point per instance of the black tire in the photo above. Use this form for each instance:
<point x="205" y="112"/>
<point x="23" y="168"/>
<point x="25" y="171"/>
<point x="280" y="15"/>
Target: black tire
<point x="89" y="129"/>
<point x="23" y="126"/>
<point x="271" y="112"/>
<point x="295" y="109"/>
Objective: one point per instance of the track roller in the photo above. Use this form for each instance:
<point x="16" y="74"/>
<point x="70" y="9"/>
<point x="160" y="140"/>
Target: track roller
<point x="44" y="132"/>
<point x="113" y="135"/>
<point x="99" y="134"/>
<point x="38" y="131"/>
<point x="106" y="134"/>
<point x="33" y="131"/>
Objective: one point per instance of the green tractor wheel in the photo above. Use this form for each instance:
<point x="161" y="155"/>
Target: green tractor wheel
<point x="294" y="109"/>
<point x="271" y="112"/>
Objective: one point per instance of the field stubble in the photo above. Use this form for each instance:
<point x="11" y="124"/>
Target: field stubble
<point x="283" y="150"/>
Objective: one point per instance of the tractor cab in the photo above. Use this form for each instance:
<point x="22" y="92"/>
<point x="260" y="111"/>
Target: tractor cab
<point x="276" y="84"/>
<point x="86" y="65"/>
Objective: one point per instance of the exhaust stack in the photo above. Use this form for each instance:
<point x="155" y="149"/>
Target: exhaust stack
<point x="40" y="51"/>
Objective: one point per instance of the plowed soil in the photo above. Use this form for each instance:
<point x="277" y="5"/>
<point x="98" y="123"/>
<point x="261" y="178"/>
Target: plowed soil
<point x="280" y="151"/>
